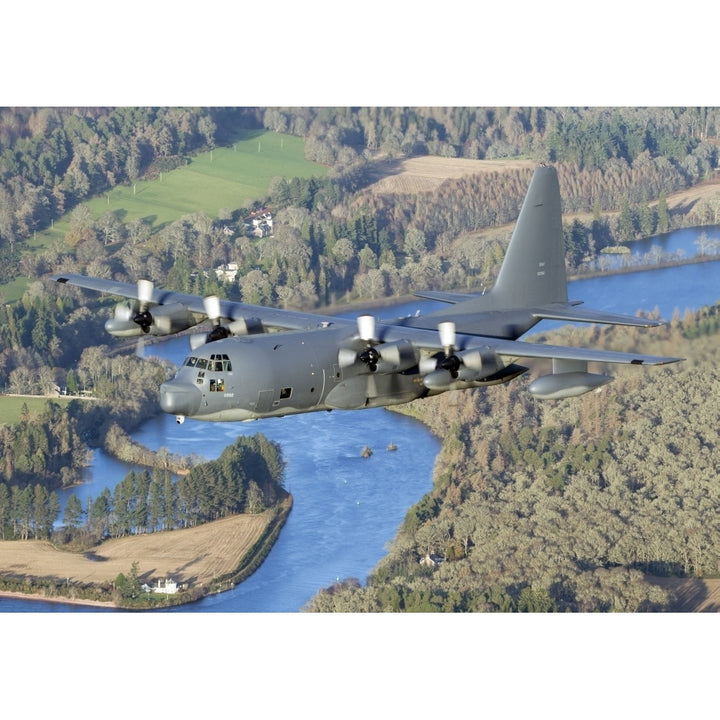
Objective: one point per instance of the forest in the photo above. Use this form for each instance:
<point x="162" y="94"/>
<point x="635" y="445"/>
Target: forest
<point x="568" y="505"/>
<point x="246" y="478"/>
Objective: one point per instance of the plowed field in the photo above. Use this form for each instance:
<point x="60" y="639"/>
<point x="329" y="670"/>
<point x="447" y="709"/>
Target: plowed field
<point x="422" y="174"/>
<point x="194" y="556"/>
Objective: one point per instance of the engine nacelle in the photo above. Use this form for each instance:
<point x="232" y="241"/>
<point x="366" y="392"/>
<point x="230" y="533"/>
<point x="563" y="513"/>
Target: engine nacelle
<point x="475" y="365"/>
<point x="119" y="327"/>
<point x="166" y="320"/>
<point x="170" y="319"/>
<point x="396" y="357"/>
<point x="567" y="384"/>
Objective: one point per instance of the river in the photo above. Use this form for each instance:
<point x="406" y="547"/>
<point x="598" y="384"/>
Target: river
<point x="346" y="508"/>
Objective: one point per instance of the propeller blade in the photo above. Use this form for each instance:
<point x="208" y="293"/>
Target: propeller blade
<point x="346" y="357"/>
<point x="145" y="291"/>
<point x="123" y="312"/>
<point x="212" y="307"/>
<point x="197" y="340"/>
<point x="427" y="365"/>
<point x="366" y="327"/>
<point x="447" y="334"/>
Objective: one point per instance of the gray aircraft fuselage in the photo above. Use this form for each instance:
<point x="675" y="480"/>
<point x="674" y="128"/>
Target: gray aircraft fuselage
<point x="277" y="374"/>
<point x="271" y="375"/>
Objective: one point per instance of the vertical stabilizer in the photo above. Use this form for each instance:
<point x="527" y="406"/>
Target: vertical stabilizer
<point x="533" y="271"/>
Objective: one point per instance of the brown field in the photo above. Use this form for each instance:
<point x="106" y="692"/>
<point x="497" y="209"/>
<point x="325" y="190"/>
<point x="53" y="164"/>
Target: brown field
<point x="424" y="174"/>
<point x="692" y="594"/>
<point x="427" y="173"/>
<point x="194" y="556"/>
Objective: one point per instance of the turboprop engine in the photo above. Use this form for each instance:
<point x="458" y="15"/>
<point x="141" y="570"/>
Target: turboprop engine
<point x="137" y="319"/>
<point x="441" y="372"/>
<point x="369" y="353"/>
<point x="165" y="320"/>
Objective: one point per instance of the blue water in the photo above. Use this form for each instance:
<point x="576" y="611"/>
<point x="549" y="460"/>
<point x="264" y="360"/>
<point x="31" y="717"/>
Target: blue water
<point x="346" y="508"/>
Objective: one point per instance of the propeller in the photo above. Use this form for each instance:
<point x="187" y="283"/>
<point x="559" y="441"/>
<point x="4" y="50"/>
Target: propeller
<point x="468" y="365"/>
<point x="451" y="362"/>
<point x="143" y="317"/>
<point x="443" y="370"/>
<point x="369" y="355"/>
<point x="241" y="326"/>
<point x="212" y="308"/>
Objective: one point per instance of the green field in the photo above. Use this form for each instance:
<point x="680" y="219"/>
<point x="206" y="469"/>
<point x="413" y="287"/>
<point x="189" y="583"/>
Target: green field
<point x="11" y="407"/>
<point x="228" y="177"/>
<point x="12" y="291"/>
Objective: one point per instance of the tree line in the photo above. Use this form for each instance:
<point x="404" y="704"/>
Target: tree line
<point x="246" y="478"/>
<point x="564" y="506"/>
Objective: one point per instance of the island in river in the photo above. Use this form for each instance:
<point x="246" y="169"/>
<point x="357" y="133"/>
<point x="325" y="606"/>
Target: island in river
<point x="205" y="559"/>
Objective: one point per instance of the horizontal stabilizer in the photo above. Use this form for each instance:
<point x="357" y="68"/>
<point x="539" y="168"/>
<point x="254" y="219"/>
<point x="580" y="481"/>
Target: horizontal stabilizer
<point x="446" y="297"/>
<point x="568" y="313"/>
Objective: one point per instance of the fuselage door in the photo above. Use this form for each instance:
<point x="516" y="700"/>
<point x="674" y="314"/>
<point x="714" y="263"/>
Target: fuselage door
<point x="265" y="401"/>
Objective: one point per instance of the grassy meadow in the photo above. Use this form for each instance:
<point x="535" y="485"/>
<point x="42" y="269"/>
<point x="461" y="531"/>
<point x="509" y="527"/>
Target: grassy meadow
<point x="11" y="406"/>
<point x="227" y="177"/>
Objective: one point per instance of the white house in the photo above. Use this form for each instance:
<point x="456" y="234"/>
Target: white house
<point x="166" y="587"/>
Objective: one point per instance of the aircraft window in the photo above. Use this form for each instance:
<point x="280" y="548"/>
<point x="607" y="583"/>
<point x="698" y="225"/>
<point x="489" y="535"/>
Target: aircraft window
<point x="217" y="385"/>
<point x="227" y="366"/>
<point x="200" y="379"/>
<point x="202" y="364"/>
<point x="191" y="361"/>
<point x="285" y="393"/>
<point x="217" y="366"/>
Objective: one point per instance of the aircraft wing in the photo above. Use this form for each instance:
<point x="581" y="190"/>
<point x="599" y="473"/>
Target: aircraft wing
<point x="430" y="342"/>
<point x="425" y="341"/>
<point x="518" y="348"/>
<point x="271" y="318"/>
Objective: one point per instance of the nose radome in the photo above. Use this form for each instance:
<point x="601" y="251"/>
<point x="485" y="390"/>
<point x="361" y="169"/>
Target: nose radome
<point x="179" y="398"/>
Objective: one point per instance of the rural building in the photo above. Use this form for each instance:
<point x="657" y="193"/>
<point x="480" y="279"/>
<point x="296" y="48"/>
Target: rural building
<point x="259" y="223"/>
<point x="166" y="587"/>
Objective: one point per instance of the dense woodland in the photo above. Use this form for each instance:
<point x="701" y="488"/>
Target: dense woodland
<point x="246" y="478"/>
<point x="566" y="505"/>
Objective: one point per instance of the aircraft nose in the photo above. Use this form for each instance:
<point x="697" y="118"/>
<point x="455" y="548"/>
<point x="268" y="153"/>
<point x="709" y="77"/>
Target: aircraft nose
<point x="179" y="398"/>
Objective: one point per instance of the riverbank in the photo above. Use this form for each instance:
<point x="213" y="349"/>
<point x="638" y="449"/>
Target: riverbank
<point x="54" y="599"/>
<point x="203" y="560"/>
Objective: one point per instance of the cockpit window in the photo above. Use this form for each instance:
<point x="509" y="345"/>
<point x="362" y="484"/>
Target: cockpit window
<point x="220" y="363"/>
<point x="216" y="363"/>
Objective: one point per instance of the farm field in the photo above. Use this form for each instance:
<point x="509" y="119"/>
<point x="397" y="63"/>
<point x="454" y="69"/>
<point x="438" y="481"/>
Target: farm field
<point x="11" y="406"/>
<point x="423" y="174"/>
<point x="227" y="177"/>
<point x="195" y="555"/>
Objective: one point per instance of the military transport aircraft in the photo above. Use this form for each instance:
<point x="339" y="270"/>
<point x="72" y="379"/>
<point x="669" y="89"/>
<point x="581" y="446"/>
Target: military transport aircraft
<point x="258" y="362"/>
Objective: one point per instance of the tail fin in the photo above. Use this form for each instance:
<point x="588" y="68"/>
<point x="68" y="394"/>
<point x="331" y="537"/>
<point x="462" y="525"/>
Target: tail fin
<point x="533" y="271"/>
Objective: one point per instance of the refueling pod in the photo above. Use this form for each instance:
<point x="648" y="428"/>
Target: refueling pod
<point x="569" y="379"/>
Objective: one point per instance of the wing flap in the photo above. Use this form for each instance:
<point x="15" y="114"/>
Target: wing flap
<point x="568" y="313"/>
<point x="518" y="348"/>
<point x="446" y="297"/>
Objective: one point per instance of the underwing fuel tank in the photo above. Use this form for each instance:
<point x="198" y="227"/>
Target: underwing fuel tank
<point x="567" y="384"/>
